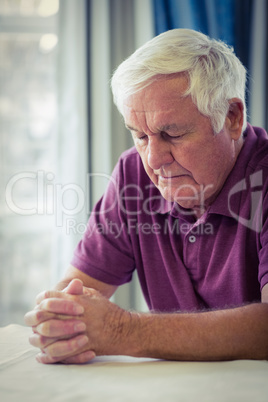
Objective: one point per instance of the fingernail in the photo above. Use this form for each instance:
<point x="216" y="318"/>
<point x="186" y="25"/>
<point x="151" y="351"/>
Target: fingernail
<point x="80" y="326"/>
<point x="90" y="355"/>
<point x="79" y="309"/>
<point x="82" y="341"/>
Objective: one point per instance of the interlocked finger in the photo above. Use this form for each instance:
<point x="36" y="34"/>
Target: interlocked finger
<point x="80" y="358"/>
<point x="61" y="306"/>
<point x="59" y="328"/>
<point x="47" y="294"/>
<point x="36" y="316"/>
<point x="40" y="341"/>
<point x="62" y="349"/>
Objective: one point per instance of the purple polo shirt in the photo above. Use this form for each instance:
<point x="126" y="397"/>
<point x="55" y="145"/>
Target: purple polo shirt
<point x="218" y="261"/>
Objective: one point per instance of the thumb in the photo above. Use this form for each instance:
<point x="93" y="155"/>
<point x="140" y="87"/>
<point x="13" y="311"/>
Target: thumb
<point x="75" y="287"/>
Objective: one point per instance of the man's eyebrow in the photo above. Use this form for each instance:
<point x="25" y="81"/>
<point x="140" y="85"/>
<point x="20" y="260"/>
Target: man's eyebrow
<point x="167" y="128"/>
<point x="130" y="128"/>
<point x="175" y="128"/>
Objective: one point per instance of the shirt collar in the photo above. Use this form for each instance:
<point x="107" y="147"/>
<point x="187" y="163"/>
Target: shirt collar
<point x="229" y="199"/>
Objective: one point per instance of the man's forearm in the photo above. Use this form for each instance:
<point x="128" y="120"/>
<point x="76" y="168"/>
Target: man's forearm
<point x="239" y="333"/>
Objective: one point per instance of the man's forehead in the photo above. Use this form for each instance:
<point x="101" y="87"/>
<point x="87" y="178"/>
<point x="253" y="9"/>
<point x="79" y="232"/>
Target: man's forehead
<point x="137" y="120"/>
<point x="174" y="120"/>
<point x="160" y="95"/>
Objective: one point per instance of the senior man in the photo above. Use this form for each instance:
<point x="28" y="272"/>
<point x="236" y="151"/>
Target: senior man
<point x="190" y="205"/>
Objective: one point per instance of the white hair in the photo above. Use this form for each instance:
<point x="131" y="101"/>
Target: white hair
<point x="214" y="72"/>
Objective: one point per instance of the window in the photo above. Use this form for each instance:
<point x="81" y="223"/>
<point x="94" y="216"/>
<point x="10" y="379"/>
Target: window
<point x="28" y="149"/>
<point x="44" y="146"/>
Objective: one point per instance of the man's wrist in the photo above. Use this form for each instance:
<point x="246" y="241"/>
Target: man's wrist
<point x="125" y="329"/>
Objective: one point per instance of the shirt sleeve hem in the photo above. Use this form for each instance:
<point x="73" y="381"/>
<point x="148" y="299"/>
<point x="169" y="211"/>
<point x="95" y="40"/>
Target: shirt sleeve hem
<point x="99" y="274"/>
<point x="264" y="280"/>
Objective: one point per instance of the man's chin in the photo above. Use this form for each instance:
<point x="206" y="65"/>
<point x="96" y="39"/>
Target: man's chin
<point x="185" y="201"/>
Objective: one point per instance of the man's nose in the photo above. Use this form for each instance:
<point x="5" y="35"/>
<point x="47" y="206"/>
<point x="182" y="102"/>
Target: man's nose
<point x="159" y="153"/>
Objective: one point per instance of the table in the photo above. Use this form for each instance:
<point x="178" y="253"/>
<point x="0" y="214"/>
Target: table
<point x="123" y="378"/>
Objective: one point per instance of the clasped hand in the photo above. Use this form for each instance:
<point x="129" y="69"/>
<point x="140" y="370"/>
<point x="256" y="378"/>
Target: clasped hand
<point x="74" y="325"/>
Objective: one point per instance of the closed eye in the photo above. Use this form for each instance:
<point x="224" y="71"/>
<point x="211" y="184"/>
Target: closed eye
<point x="173" y="137"/>
<point x="139" y="136"/>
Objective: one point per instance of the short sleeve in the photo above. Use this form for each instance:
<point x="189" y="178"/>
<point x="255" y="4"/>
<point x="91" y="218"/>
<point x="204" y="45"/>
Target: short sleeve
<point x="105" y="251"/>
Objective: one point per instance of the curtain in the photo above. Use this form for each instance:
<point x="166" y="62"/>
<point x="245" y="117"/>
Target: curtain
<point x="72" y="138"/>
<point x="43" y="146"/>
<point x="227" y="20"/>
<point x="241" y="24"/>
<point x="265" y="6"/>
<point x="212" y="17"/>
<point x="117" y="28"/>
<point x="258" y="83"/>
<point x="243" y="29"/>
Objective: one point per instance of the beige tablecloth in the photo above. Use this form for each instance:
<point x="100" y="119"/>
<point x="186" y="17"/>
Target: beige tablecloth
<point x="120" y="378"/>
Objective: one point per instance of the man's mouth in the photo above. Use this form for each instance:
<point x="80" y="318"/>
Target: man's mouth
<point x="169" y="177"/>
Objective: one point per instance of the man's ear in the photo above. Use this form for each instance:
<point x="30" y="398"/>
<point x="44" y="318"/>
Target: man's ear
<point x="235" y="118"/>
